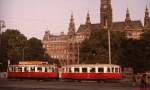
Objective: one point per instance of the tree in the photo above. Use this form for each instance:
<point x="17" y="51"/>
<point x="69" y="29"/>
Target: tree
<point x="34" y="50"/>
<point x="145" y="50"/>
<point x="95" y="49"/>
<point x="15" y="47"/>
<point x="136" y="53"/>
<point x="11" y="46"/>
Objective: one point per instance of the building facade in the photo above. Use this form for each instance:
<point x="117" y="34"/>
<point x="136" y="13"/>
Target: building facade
<point x="65" y="48"/>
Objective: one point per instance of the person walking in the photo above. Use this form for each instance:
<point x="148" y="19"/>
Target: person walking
<point x="133" y="80"/>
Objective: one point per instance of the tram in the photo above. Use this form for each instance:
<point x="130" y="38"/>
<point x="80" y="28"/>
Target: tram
<point x="32" y="70"/>
<point x="92" y="72"/>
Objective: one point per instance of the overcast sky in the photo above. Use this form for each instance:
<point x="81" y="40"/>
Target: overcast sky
<point x="34" y="17"/>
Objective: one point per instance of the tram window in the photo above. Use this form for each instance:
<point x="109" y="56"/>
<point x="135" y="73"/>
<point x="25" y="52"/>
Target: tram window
<point x="63" y="70"/>
<point x="10" y="69"/>
<point x="46" y="70"/>
<point x="32" y="69"/>
<point x="116" y="70"/>
<point x="84" y="70"/>
<point x="100" y="70"/>
<point x="26" y="69"/>
<point x="108" y="70"/>
<point x="56" y="69"/>
<point x="39" y="69"/>
<point x="112" y="69"/>
<point x="19" y="69"/>
<point x="119" y="70"/>
<point x="76" y="70"/>
<point x="50" y="69"/>
<point x="53" y="70"/>
<point x="14" y="69"/>
<point x="92" y="70"/>
<point x="69" y="70"/>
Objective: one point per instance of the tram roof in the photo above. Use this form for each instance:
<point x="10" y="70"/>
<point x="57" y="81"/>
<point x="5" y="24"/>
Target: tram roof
<point x="21" y="65"/>
<point x="33" y="62"/>
<point x="92" y="65"/>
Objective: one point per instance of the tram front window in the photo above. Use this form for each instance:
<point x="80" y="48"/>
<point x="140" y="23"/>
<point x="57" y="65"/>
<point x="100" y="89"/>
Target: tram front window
<point x="10" y="69"/>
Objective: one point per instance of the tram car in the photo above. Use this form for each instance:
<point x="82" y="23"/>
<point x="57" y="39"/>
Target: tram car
<point x="32" y="70"/>
<point x="96" y="72"/>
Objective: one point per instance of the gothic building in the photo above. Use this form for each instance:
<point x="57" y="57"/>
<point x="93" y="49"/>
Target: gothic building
<point x="146" y="20"/>
<point x="65" y="48"/>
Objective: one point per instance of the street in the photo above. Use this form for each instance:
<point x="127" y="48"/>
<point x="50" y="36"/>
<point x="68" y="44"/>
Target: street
<point x="61" y="85"/>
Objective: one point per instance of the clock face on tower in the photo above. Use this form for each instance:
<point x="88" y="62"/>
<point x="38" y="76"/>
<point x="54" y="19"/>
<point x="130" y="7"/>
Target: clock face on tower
<point x="105" y="6"/>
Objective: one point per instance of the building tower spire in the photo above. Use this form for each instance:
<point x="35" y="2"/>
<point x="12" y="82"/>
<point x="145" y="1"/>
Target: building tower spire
<point x="88" y="21"/>
<point x="127" y="19"/>
<point x="106" y="13"/>
<point x="146" y="19"/>
<point x="71" y="30"/>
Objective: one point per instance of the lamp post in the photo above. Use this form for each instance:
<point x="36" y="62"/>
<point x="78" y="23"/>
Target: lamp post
<point x="2" y="25"/>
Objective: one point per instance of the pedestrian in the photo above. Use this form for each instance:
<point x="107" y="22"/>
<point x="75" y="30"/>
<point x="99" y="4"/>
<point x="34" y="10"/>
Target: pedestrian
<point x="143" y="83"/>
<point x="133" y="80"/>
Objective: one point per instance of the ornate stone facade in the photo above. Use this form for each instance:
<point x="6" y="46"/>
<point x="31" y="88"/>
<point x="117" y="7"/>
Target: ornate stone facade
<point x="65" y="48"/>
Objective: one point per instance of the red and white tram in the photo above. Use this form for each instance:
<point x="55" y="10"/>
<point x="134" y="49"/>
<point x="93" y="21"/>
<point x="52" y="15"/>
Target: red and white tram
<point x="91" y="72"/>
<point x="32" y="70"/>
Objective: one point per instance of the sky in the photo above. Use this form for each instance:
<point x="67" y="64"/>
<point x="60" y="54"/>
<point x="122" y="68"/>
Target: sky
<point x="33" y="17"/>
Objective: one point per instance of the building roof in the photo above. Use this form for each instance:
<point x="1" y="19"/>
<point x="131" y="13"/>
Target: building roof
<point x="116" y="26"/>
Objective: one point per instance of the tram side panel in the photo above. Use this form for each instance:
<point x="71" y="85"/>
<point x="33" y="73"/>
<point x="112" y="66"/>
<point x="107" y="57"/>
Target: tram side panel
<point x="32" y="73"/>
<point x="92" y="73"/>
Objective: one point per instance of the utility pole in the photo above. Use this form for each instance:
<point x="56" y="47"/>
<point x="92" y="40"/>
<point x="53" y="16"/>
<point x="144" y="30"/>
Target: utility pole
<point x="109" y="43"/>
<point x="23" y="54"/>
<point x="78" y="54"/>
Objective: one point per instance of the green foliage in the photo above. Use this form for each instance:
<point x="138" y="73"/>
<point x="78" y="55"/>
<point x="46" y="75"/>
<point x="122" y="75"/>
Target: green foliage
<point x="34" y="50"/>
<point x="136" y="53"/>
<point x="95" y="49"/>
<point x="125" y="52"/>
<point x="14" y="46"/>
<point x="12" y="42"/>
